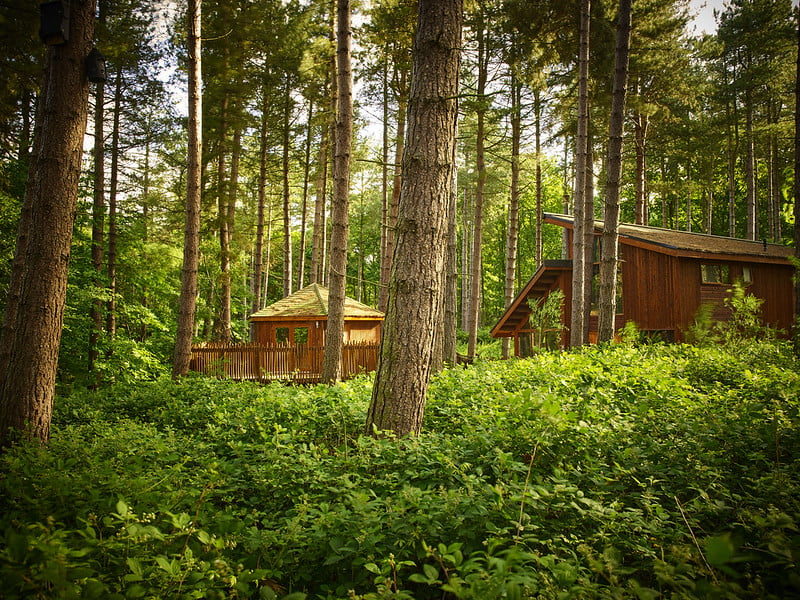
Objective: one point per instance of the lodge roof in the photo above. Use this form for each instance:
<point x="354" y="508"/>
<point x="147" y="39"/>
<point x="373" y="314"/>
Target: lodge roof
<point x="312" y="301"/>
<point x="670" y="241"/>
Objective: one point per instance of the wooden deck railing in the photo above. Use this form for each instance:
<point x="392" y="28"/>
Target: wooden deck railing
<point x="298" y="363"/>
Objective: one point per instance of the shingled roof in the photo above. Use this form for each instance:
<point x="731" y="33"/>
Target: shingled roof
<point x="312" y="301"/>
<point x="670" y="241"/>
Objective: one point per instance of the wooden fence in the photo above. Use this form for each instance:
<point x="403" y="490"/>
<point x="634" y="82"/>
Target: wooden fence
<point x="297" y="363"/>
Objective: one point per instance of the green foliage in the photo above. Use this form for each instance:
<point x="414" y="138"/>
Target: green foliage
<point x="622" y="472"/>
<point x="744" y="323"/>
<point x="545" y="320"/>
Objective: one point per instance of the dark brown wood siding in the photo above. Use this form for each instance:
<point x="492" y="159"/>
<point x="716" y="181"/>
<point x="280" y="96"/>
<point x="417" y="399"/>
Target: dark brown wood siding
<point x="648" y="289"/>
<point x="773" y="283"/>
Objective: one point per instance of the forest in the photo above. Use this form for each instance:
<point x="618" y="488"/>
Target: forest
<point x="168" y="169"/>
<point x="708" y="147"/>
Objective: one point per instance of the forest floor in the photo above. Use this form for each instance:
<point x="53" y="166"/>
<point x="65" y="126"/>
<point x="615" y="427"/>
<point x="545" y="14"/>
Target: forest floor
<point x="660" y="471"/>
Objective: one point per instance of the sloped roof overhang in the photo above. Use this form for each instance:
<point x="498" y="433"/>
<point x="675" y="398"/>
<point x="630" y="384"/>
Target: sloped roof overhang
<point x="689" y="244"/>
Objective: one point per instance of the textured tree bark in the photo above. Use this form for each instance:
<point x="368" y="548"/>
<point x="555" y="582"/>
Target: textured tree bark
<point x="404" y="367"/>
<point x="191" y="240"/>
<point x="340" y="224"/>
<point x="577" y="322"/>
<point x="34" y="315"/>
<point x="610" y="255"/>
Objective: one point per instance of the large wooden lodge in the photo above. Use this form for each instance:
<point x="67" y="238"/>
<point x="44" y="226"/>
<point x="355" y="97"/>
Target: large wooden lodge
<point x="665" y="276"/>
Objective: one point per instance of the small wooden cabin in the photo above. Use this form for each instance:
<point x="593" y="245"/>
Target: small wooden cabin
<point x="664" y="278"/>
<point x="302" y="318"/>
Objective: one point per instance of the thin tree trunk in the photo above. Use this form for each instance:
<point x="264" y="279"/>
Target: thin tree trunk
<point x="537" y="107"/>
<point x="610" y="249"/>
<point x="222" y="324"/>
<point x="287" y="221"/>
<point x="450" y="329"/>
<point x="480" y="166"/>
<point x="383" y="291"/>
<point x="262" y="197"/>
<point x="513" y="205"/>
<point x="641" y="124"/>
<point x="797" y="192"/>
<point x="98" y="210"/>
<point x="191" y="243"/>
<point x="35" y="309"/>
<point x="337" y="277"/>
<point x="321" y="185"/>
<point x="301" y="262"/>
<point x="577" y="322"/>
<point x="466" y="236"/>
<point x="404" y="366"/>
<point x="111" y="316"/>
<point x="750" y="171"/>
<point x="394" y="202"/>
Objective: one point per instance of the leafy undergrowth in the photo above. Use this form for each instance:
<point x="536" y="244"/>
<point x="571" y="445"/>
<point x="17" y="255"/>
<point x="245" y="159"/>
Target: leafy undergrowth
<point x="654" y="472"/>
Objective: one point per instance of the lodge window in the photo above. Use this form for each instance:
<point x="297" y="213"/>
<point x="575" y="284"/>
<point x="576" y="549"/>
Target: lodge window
<point x="747" y="276"/>
<point x="281" y="335"/>
<point x="715" y="274"/>
<point x="301" y="335"/>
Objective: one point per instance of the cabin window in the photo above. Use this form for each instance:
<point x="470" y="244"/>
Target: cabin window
<point x="747" y="276"/>
<point x="715" y="273"/>
<point x="282" y="335"/>
<point x="301" y="335"/>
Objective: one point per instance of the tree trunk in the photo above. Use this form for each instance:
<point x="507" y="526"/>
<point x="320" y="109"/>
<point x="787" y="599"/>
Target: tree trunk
<point x="396" y="185"/>
<point x="480" y="167"/>
<point x="262" y="197"/>
<point x="581" y="169"/>
<point x="796" y="192"/>
<point x="337" y="277"/>
<point x="98" y="208"/>
<point x="191" y="240"/>
<point x="321" y="185"/>
<point x="222" y="325"/>
<point x="383" y="290"/>
<point x="404" y="366"/>
<point x="111" y="316"/>
<point x="287" y="221"/>
<point x="641" y="124"/>
<point x="537" y="107"/>
<point x="513" y="205"/>
<point x="301" y="262"/>
<point x="450" y="327"/>
<point x="35" y="309"/>
<point x="610" y="255"/>
<point x="750" y="171"/>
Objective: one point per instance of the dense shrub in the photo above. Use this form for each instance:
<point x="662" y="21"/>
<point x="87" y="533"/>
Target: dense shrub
<point x="620" y="472"/>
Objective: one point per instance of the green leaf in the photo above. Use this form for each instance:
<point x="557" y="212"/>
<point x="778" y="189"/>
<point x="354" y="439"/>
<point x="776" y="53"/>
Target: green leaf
<point x="372" y="568"/>
<point x="431" y="572"/>
<point x="719" y="549"/>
